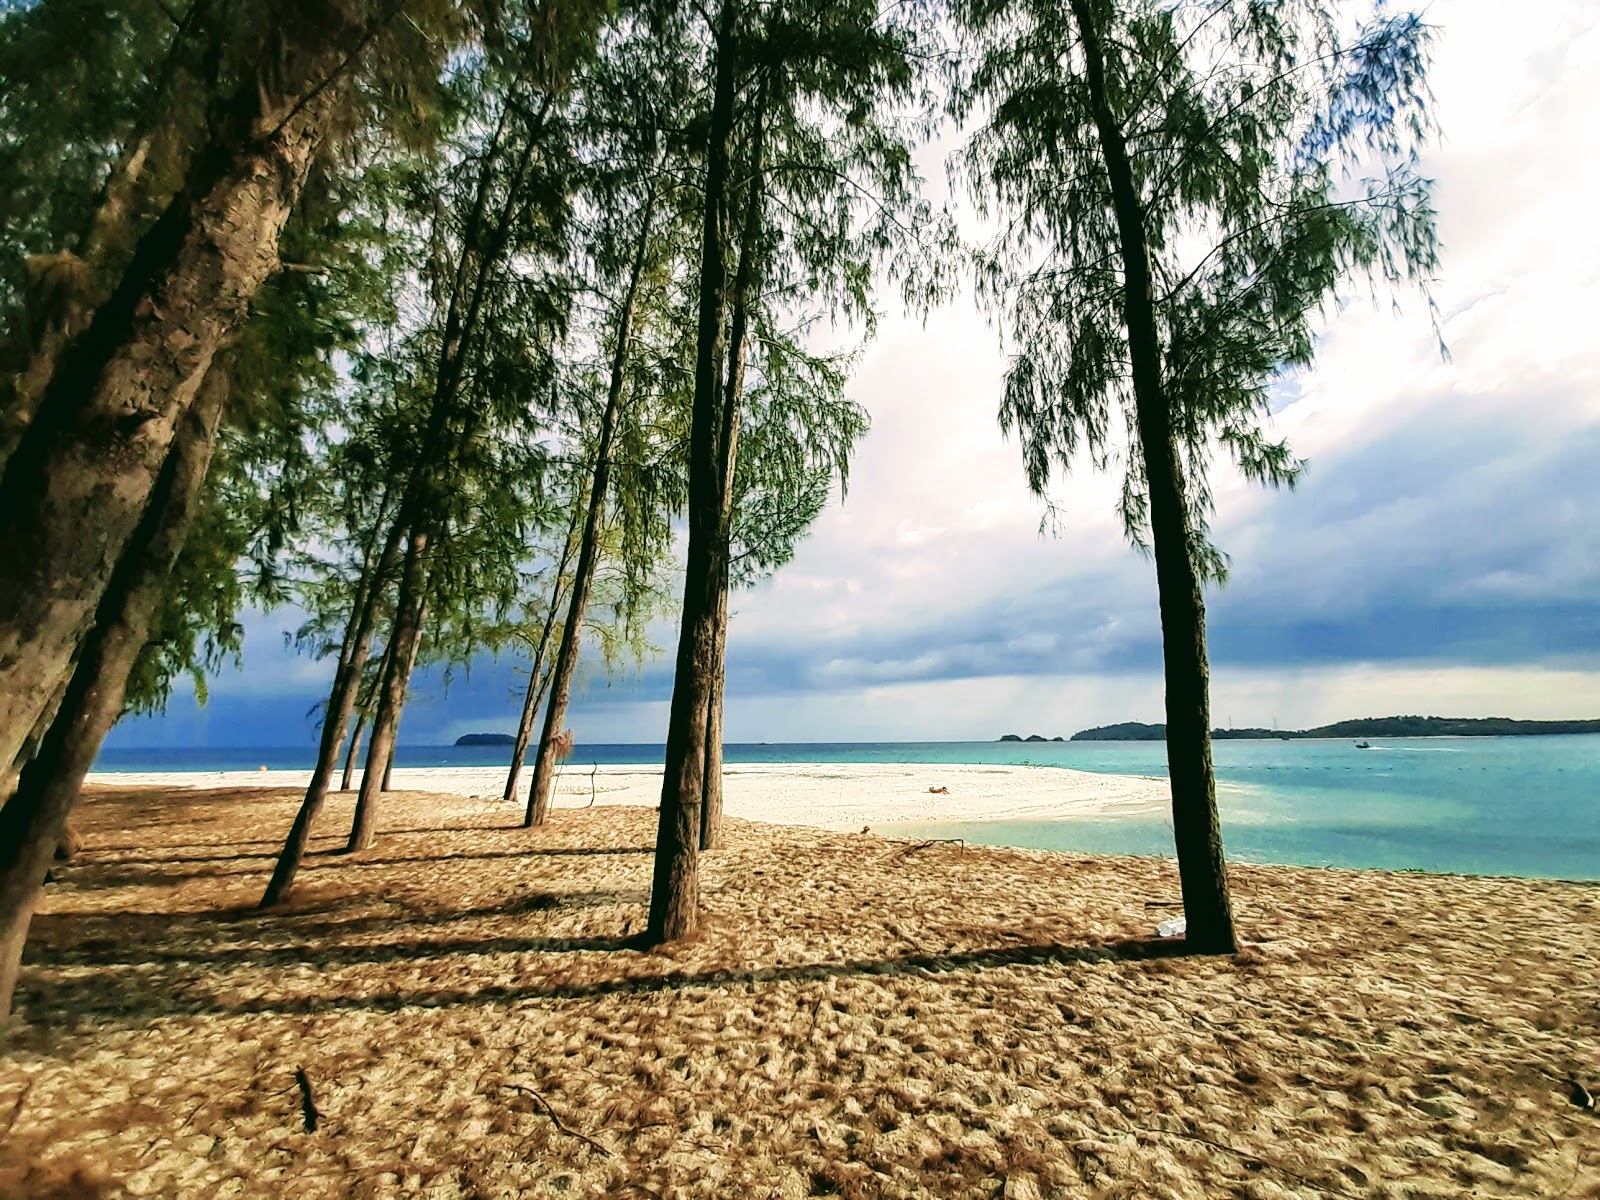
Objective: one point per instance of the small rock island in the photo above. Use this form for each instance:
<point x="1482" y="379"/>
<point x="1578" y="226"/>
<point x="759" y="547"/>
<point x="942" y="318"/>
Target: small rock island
<point x="486" y="739"/>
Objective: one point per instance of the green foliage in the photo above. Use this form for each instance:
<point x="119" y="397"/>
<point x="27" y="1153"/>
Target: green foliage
<point x="1273" y="149"/>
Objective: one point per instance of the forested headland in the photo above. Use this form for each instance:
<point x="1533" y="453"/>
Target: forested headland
<point x="1392" y="727"/>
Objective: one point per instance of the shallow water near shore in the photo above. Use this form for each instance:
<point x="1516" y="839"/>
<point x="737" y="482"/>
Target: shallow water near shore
<point x="1480" y="806"/>
<point x="1527" y="806"/>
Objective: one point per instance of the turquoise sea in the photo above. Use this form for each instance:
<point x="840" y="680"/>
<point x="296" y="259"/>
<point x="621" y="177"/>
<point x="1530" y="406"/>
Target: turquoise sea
<point x="1496" y="806"/>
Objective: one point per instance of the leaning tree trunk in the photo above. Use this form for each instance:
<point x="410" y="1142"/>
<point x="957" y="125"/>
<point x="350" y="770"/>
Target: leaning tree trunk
<point x="1197" y="832"/>
<point x="675" y="884"/>
<point x="544" y="767"/>
<point x="353" y="654"/>
<point x="34" y="821"/>
<point x="388" y="763"/>
<point x="366" y="708"/>
<point x="727" y="464"/>
<point x="405" y="636"/>
<point x="538" y="677"/>
<point x="35" y="738"/>
<point x="355" y="749"/>
<point x="538" y="689"/>
<point x="75" y="489"/>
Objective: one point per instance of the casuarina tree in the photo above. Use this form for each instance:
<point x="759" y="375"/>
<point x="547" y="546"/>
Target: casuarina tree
<point x="1181" y="189"/>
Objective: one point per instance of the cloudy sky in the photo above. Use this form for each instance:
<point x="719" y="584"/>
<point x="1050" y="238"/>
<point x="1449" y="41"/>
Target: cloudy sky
<point x="1442" y="555"/>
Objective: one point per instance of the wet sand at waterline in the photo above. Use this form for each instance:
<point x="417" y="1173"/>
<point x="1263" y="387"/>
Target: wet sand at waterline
<point x="859" y="1016"/>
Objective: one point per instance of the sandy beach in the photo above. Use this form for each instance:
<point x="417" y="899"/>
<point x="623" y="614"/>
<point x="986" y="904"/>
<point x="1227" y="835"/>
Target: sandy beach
<point x="826" y="795"/>
<point x="461" y="1012"/>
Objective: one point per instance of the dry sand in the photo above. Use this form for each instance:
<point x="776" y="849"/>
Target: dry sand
<point x="859" y="1017"/>
<point x="827" y="795"/>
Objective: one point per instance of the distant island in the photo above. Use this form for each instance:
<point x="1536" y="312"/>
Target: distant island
<point x="486" y="739"/>
<point x="1032" y="737"/>
<point x="1364" y="727"/>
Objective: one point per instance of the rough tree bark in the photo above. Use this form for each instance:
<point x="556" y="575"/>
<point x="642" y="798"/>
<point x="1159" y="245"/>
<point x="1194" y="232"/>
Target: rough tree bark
<point x="675" y="885"/>
<point x="353" y="652"/>
<point x="544" y="767"/>
<point x="538" y="677"/>
<point x="33" y="822"/>
<point x="75" y="489"/>
<point x="727" y="464"/>
<point x="63" y="287"/>
<point x="404" y="638"/>
<point x="1202" y="869"/>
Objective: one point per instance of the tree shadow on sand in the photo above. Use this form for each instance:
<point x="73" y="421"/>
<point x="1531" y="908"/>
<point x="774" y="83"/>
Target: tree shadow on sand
<point x="147" y="873"/>
<point x="167" y="993"/>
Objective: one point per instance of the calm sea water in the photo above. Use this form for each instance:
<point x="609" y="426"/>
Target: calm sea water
<point x="1497" y="806"/>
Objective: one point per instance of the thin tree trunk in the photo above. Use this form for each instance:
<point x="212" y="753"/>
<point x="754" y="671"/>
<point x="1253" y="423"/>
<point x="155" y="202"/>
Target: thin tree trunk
<point x="538" y="677"/>
<point x="1202" y="868"/>
<point x="727" y="464"/>
<point x="353" y="654"/>
<point x="367" y="705"/>
<point x="34" y="822"/>
<point x="711" y="796"/>
<point x="675" y="885"/>
<point x="407" y="632"/>
<point x="355" y="749"/>
<point x="544" y="767"/>
<point x="76" y="488"/>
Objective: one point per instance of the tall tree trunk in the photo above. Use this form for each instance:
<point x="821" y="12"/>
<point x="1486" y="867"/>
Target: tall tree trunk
<point x="355" y="749"/>
<point x="675" y="885"/>
<point x="353" y="654"/>
<point x="367" y="706"/>
<point x="406" y="634"/>
<point x="1202" y="869"/>
<point x="33" y="822"/>
<point x="538" y="677"/>
<point x="75" y="489"/>
<point x="727" y="465"/>
<point x="544" y="767"/>
<point x="711" y="794"/>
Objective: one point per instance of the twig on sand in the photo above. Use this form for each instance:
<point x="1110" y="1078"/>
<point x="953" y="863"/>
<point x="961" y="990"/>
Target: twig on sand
<point x="815" y="1010"/>
<point x="555" y="1120"/>
<point x="16" y="1109"/>
<point x="1248" y="1156"/>
<point x="592" y="774"/>
<point x="308" y="1103"/>
<point x="919" y="846"/>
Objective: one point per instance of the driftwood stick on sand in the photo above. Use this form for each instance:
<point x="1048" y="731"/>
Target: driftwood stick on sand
<point x="555" y="1120"/>
<point x="914" y="847"/>
<point x="16" y="1109"/>
<point x="308" y="1103"/>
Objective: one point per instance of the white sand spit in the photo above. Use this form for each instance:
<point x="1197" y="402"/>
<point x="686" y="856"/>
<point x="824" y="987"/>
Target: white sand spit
<point x="826" y="795"/>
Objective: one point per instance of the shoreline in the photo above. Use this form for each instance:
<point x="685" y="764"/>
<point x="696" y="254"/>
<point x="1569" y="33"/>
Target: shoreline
<point x="839" y="796"/>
